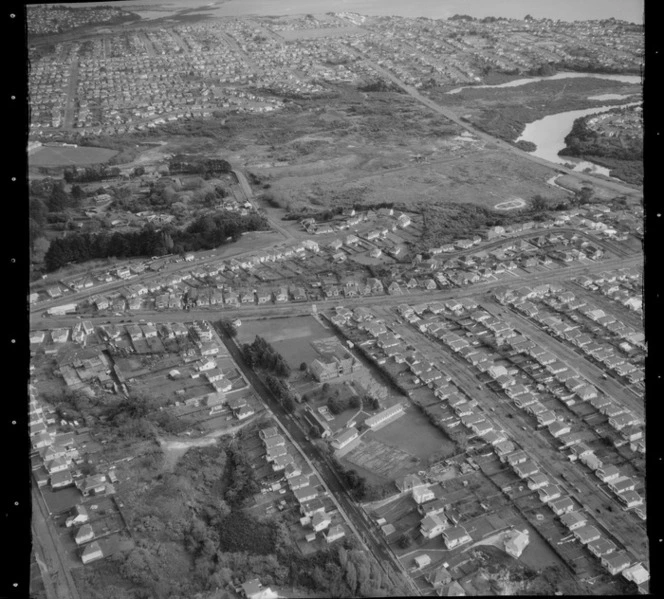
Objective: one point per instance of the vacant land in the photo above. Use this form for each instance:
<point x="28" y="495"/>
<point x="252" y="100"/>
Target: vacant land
<point x="65" y="156"/>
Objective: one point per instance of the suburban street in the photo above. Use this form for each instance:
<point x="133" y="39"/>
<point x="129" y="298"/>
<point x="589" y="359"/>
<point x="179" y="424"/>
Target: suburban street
<point x="624" y="526"/>
<point x="295" y="309"/>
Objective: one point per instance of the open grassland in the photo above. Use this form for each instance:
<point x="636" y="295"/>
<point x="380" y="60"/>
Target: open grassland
<point x="66" y="156"/>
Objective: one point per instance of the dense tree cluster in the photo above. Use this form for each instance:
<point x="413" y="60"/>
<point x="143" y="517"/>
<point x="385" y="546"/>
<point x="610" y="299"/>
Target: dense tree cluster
<point x="201" y="165"/>
<point x="240" y="479"/>
<point x="261" y="353"/>
<point x="358" y="486"/>
<point x="205" y="233"/>
<point x="337" y="404"/>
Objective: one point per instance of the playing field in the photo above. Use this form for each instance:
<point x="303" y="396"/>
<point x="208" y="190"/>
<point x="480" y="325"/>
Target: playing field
<point x="414" y="434"/>
<point x="65" y="156"/>
<point x="291" y="337"/>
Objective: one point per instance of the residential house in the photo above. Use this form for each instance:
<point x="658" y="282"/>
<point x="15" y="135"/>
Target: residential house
<point x="433" y="525"/>
<point x="586" y="534"/>
<point x="91" y="552"/>
<point x="455" y="536"/>
<point x="616" y="562"/>
<point x="573" y="520"/>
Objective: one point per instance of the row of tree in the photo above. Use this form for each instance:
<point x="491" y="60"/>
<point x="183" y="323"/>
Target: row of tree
<point x="89" y="174"/>
<point x="281" y="391"/>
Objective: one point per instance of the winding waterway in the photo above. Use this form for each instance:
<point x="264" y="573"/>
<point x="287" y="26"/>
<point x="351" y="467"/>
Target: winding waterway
<point x="564" y="75"/>
<point x="549" y="133"/>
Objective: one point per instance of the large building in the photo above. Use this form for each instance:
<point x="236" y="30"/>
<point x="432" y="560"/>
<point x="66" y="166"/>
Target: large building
<point x="335" y="360"/>
<point x="385" y="416"/>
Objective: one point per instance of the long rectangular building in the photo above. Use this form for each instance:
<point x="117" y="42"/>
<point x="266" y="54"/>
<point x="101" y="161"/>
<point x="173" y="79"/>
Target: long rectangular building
<point x="386" y="415"/>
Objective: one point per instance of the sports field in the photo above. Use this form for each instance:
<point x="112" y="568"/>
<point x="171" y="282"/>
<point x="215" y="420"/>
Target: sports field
<point x="291" y="337"/>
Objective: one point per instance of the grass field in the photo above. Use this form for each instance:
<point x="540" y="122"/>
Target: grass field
<point x="62" y="156"/>
<point x="291" y="337"/>
<point x="414" y="434"/>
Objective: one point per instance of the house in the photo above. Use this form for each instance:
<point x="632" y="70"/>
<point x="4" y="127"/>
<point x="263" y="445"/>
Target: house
<point x="636" y="574"/>
<point x="422" y="494"/>
<point x="601" y="547"/>
<point x="537" y="481"/>
<point x="344" y="438"/>
<point x="439" y="577"/>
<point x="525" y="469"/>
<point x="334" y="533"/>
<point x="79" y="515"/>
<point x="586" y="534"/>
<point x="422" y="561"/>
<point x="630" y="499"/>
<point x="61" y="479"/>
<point x="84" y="534"/>
<point x="94" y="484"/>
<point x="309" y="508"/>
<point x="608" y="473"/>
<point x="549" y="493"/>
<point x="432" y="507"/>
<point x="455" y="536"/>
<point x="305" y="494"/>
<point x="409" y="482"/>
<point x="573" y="520"/>
<point x="91" y="553"/>
<point x="559" y="428"/>
<point x="561" y="506"/>
<point x="281" y="462"/>
<point x="615" y="562"/>
<point x="252" y="589"/>
<point x="433" y="525"/>
<point x="516" y="541"/>
<point x="320" y="521"/>
<point x="622" y="484"/>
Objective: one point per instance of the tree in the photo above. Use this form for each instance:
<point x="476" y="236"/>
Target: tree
<point x="303" y="366"/>
<point x="538" y="203"/>
<point x="404" y="541"/>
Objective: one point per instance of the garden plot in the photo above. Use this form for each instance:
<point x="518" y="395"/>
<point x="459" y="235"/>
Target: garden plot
<point x="388" y="462"/>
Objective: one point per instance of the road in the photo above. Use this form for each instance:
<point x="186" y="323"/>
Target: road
<point x="624" y="526"/>
<point x="70" y="103"/>
<point x="297" y="309"/>
<point x="353" y="514"/>
<point x="57" y="577"/>
<point x="449" y="114"/>
<point x="610" y="387"/>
